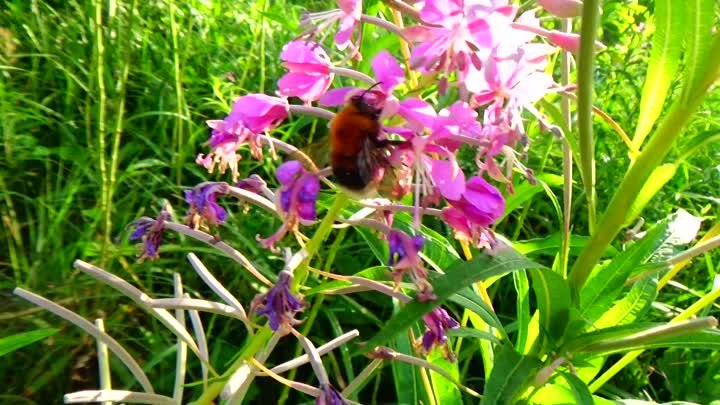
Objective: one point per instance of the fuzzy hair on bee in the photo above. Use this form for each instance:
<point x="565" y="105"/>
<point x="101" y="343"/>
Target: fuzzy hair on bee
<point x="358" y="153"/>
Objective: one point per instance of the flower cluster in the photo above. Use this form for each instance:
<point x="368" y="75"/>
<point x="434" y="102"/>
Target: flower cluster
<point x="470" y="83"/>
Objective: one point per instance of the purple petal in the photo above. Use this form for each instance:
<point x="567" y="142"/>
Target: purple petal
<point x="289" y="171"/>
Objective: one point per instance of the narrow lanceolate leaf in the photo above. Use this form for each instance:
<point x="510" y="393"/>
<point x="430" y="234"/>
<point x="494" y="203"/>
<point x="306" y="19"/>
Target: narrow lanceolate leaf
<point x="698" y="49"/>
<point x="455" y="279"/>
<point x="553" y="301"/>
<point x="695" y="333"/>
<point x="446" y="391"/>
<point x="11" y="343"/>
<point x="579" y="389"/>
<point x="663" y="64"/>
<point x="510" y="376"/>
<point x="657" y="180"/>
<point x="606" y="283"/>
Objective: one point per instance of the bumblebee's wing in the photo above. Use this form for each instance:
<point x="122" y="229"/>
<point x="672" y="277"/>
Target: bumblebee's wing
<point x="371" y="160"/>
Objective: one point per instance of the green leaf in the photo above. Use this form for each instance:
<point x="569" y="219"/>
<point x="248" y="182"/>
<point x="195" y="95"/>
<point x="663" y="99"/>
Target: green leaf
<point x="689" y="334"/>
<point x="663" y="64"/>
<point x="606" y="283"/>
<point x="525" y="191"/>
<point x="404" y="374"/>
<point x="446" y="392"/>
<point x="472" y="333"/>
<point x="658" y="178"/>
<point x="579" y="388"/>
<point x="630" y="307"/>
<point x="457" y="278"/>
<point x="551" y="244"/>
<point x="553" y="298"/>
<point x="12" y="343"/>
<point x="522" y="304"/>
<point x="699" y="41"/>
<point x="510" y="376"/>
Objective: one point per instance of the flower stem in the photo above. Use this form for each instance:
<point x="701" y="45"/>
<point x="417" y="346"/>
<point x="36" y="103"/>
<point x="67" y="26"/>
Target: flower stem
<point x="586" y="69"/>
<point x="312" y="247"/>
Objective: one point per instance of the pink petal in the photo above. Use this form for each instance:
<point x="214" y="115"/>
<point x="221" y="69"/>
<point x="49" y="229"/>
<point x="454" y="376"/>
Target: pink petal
<point x="562" y="8"/>
<point x="439" y="11"/>
<point x="304" y="52"/>
<point x="448" y="178"/>
<point x="335" y="96"/>
<point x="307" y="87"/>
<point x="345" y="30"/>
<point x="387" y="71"/>
<point x="417" y="113"/>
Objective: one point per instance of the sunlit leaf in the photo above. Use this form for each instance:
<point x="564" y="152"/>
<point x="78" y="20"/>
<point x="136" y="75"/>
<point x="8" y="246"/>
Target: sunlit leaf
<point x="552" y="294"/>
<point x="509" y="376"/>
<point x="663" y="64"/>
<point x="456" y="278"/>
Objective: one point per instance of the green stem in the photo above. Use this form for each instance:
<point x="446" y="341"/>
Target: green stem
<point x="256" y="343"/>
<point x="101" y="128"/>
<point x="312" y="247"/>
<point x="567" y="159"/>
<point x="586" y="69"/>
<point x="651" y="156"/>
<point x="178" y="141"/>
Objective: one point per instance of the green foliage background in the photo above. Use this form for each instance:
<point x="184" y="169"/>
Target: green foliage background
<point x="72" y="116"/>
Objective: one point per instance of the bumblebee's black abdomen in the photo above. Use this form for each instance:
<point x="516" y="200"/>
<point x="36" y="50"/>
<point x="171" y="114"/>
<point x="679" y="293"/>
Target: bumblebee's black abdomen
<point x="347" y="173"/>
<point x="350" y="179"/>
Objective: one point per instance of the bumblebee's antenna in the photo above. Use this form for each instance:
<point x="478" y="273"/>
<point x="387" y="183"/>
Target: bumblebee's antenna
<point x="370" y="88"/>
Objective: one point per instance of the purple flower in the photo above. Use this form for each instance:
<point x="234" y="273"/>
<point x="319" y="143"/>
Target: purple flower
<point x="404" y="258"/>
<point x="310" y="74"/>
<point x="151" y="234"/>
<point x="330" y="396"/>
<point x="438" y="322"/>
<point x="260" y="113"/>
<point x="278" y="304"/>
<point x="479" y="207"/>
<point x="295" y="199"/>
<point x="203" y="205"/>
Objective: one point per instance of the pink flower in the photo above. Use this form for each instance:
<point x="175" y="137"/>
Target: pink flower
<point x="259" y="112"/>
<point x="480" y="205"/>
<point x="352" y="11"/>
<point x="224" y="142"/>
<point x="310" y="71"/>
<point x="460" y="35"/>
<point x="562" y="8"/>
<point x="348" y="16"/>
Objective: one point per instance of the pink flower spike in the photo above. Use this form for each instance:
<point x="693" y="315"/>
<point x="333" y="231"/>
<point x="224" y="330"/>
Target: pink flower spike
<point x="260" y="112"/>
<point x="562" y="8"/>
<point x="387" y="71"/>
<point x="570" y="41"/>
